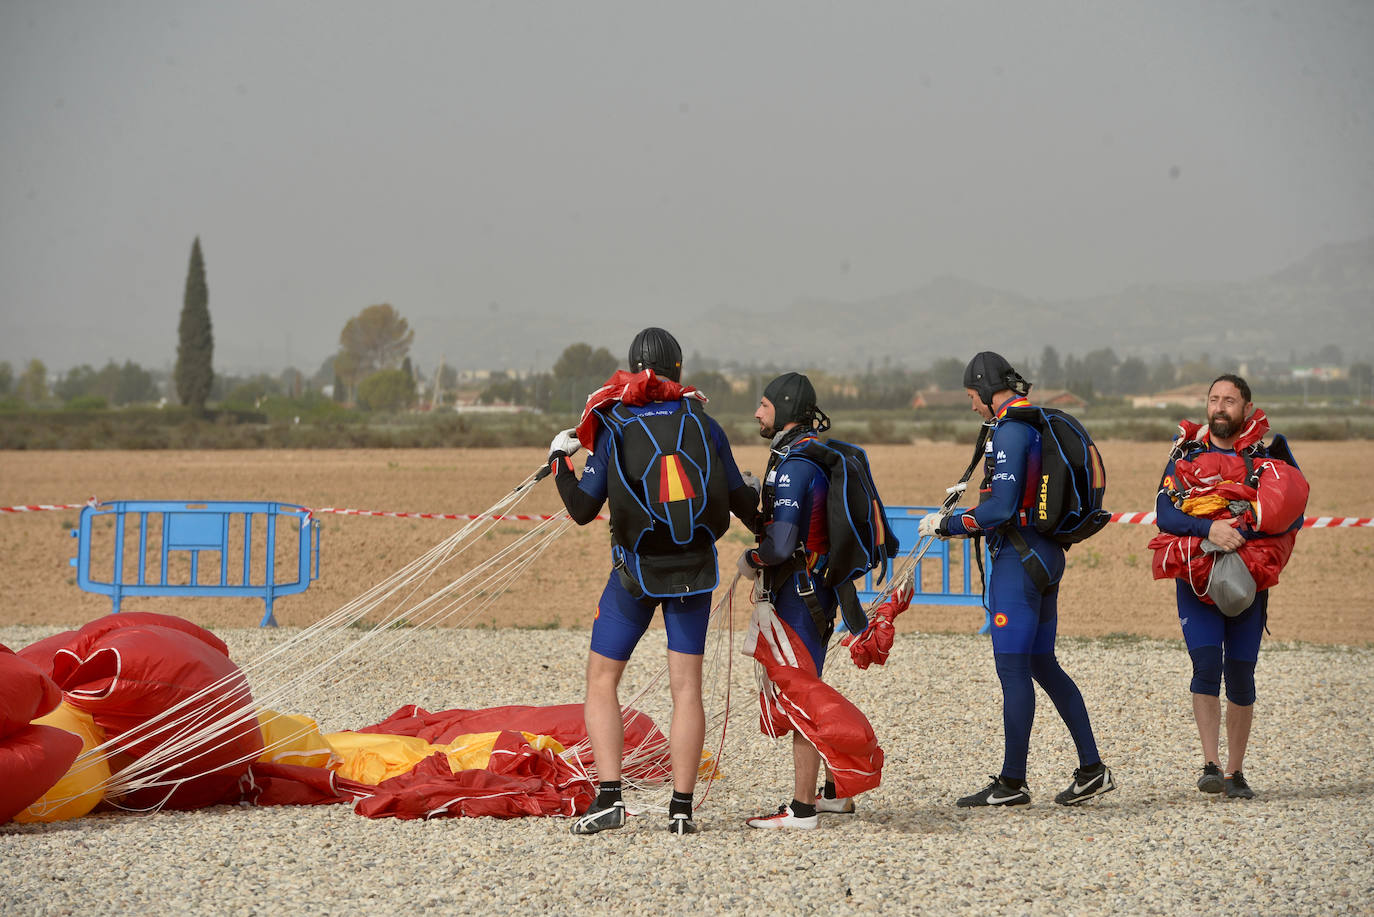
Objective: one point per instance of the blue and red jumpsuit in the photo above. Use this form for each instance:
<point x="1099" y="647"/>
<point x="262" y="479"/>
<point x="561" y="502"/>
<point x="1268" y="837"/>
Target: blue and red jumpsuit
<point x="1024" y="622"/>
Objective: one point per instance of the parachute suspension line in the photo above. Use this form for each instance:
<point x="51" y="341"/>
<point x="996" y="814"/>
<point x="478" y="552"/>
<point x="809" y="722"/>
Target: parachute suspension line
<point x="390" y="637"/>
<point x="723" y="713"/>
<point x="641" y="767"/>
<point x="908" y="566"/>
<point x="190" y="729"/>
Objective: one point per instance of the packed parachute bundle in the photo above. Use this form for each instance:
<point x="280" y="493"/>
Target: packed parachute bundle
<point x="1260" y="487"/>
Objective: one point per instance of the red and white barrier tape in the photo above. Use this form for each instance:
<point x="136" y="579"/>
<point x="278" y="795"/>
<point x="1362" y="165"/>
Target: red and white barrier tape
<point x="1311" y="522"/>
<point x="509" y="517"/>
<point x="39" y="507"/>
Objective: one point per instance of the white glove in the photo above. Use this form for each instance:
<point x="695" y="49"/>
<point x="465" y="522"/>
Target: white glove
<point x="930" y="525"/>
<point x="753" y="482"/>
<point x="565" y="442"/>
<point x="746" y="569"/>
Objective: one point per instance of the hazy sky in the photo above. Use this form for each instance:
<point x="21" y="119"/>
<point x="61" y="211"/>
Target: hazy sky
<point x="643" y="158"/>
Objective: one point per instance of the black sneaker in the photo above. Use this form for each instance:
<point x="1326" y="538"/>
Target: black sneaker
<point x="1237" y="788"/>
<point x="682" y="824"/>
<point x="600" y="818"/>
<point x="1211" y="781"/>
<point x="997" y="793"/>
<point x="1087" y="783"/>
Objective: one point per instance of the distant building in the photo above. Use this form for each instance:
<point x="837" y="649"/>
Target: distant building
<point x="937" y="398"/>
<point x="1060" y="398"/>
<point x="933" y="399"/>
<point x="1186" y="396"/>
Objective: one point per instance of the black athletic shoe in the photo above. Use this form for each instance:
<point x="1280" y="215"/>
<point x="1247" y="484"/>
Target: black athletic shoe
<point x="997" y="793"/>
<point x="1211" y="781"/>
<point x="1237" y="788"/>
<point x="1087" y="783"/>
<point x="682" y="824"/>
<point x="600" y="819"/>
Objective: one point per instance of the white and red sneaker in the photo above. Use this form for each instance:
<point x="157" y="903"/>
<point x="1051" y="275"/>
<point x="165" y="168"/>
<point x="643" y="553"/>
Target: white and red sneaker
<point x="784" y="818"/>
<point x="841" y="805"/>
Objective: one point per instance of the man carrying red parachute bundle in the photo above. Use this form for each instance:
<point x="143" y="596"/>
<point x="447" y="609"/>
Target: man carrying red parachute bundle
<point x="1229" y="509"/>
<point x="823" y="521"/>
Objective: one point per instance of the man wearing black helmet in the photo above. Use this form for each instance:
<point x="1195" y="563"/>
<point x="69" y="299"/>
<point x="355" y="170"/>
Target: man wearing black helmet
<point x="795" y="536"/>
<point x="666" y="469"/>
<point x="1024" y="621"/>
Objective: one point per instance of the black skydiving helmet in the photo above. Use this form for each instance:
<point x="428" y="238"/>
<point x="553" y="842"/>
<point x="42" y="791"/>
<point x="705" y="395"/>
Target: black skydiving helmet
<point x="656" y="349"/>
<point x="989" y="373"/>
<point x="793" y="399"/>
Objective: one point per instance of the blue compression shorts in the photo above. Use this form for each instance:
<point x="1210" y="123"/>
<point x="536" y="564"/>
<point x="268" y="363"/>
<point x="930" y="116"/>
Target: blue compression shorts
<point x="621" y="621"/>
<point x="1023" y="620"/>
<point x="1203" y="625"/>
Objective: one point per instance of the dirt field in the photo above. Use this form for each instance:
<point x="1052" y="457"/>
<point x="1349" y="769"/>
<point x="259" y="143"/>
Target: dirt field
<point x="1325" y="595"/>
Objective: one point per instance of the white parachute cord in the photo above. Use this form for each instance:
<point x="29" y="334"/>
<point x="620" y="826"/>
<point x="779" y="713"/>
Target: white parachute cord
<point x="167" y="721"/>
<point x="642" y="767"/>
<point x="200" y="739"/>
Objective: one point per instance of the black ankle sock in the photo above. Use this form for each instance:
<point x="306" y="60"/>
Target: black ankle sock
<point x="610" y="793"/>
<point x="829" y="791"/>
<point x="802" y="810"/>
<point x="1014" y="783"/>
<point x="1092" y="768"/>
<point x="681" y="804"/>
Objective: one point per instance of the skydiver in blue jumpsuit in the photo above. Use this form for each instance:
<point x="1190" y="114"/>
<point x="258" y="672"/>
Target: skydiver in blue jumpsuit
<point x="650" y="571"/>
<point x="1024" y="622"/>
<point x="796" y="537"/>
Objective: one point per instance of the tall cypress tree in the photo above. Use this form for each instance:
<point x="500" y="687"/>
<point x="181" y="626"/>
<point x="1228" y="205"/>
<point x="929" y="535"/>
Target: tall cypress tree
<point x="195" y="342"/>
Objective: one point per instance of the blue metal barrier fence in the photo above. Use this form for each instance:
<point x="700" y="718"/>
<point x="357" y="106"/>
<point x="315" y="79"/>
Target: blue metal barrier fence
<point x="961" y="587"/>
<point x="175" y="534"/>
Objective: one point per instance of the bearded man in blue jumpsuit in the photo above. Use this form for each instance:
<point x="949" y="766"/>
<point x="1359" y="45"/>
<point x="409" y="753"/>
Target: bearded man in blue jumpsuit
<point x="795" y="539"/>
<point x="1024" y="621"/>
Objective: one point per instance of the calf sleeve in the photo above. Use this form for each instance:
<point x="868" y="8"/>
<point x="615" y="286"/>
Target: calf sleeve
<point x="1206" y="670"/>
<point x="1018" y="711"/>
<point x="1068" y="700"/>
<point x="1240" y="682"/>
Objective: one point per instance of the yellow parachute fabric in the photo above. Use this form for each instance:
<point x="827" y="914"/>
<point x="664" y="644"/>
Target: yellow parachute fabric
<point x="373" y="757"/>
<point x="1208" y="504"/>
<point x="79" y="791"/>
<point x="291" y="738"/>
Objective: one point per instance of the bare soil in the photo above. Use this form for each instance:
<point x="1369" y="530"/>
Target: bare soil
<point x="1325" y="594"/>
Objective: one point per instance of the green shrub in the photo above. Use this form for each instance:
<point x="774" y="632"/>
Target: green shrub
<point x="86" y="403"/>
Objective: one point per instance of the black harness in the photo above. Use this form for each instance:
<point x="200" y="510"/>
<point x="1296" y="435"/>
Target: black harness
<point x="797" y="564"/>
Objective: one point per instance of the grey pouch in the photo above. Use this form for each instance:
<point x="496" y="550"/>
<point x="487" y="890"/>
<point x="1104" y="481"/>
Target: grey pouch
<point x="1230" y="586"/>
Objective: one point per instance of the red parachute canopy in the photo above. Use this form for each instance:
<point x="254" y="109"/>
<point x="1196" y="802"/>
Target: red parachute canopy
<point x="800" y="700"/>
<point x="1212" y="486"/>
<point x="125" y="670"/>
<point x="32" y="758"/>
<point x="875" y="643"/>
<point x="632" y="389"/>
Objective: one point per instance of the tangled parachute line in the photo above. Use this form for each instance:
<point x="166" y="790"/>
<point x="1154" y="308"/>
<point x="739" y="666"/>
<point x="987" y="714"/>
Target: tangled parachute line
<point x="335" y="650"/>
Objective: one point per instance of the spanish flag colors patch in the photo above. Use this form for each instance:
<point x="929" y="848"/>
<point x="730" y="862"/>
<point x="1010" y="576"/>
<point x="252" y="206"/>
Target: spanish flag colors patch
<point x="673" y="483"/>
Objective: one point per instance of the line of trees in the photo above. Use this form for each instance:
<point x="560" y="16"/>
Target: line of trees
<point x="372" y="370"/>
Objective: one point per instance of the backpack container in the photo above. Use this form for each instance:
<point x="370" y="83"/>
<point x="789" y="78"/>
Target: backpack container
<point x="1068" y="504"/>
<point x="668" y="500"/>
<point x="861" y="538"/>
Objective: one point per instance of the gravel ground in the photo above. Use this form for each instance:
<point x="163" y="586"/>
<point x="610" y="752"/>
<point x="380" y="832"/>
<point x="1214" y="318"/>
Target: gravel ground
<point x="1156" y="846"/>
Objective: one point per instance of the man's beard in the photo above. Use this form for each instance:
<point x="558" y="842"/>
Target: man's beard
<point x="1223" y="427"/>
<point x="767" y="432"/>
